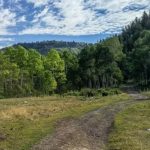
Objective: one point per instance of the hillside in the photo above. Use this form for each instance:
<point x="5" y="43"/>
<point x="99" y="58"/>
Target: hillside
<point x="44" y="46"/>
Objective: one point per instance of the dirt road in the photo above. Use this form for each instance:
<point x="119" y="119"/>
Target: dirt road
<point x="90" y="132"/>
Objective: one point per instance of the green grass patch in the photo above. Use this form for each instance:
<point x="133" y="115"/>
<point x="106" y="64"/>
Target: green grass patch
<point x="24" y="121"/>
<point x="131" y="128"/>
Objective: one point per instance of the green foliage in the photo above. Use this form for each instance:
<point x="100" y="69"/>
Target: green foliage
<point x="35" y="63"/>
<point x="71" y="69"/>
<point x="99" y="92"/>
<point x="135" y="38"/>
<point x="56" y="66"/>
<point x="109" y="91"/>
<point x="96" y="66"/>
<point x="99" y="66"/>
<point x="132" y="32"/>
<point x="50" y="83"/>
<point x="141" y="59"/>
<point x="115" y="47"/>
<point x="9" y="74"/>
<point x="87" y="92"/>
<point x="26" y="72"/>
<point x="72" y="93"/>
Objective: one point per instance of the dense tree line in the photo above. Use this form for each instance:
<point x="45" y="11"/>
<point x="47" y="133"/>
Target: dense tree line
<point x="99" y="64"/>
<point x="136" y="46"/>
<point x="132" y="32"/>
<point x="25" y="72"/>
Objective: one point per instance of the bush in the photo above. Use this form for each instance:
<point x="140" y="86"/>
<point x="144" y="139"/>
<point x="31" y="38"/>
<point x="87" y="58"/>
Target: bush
<point x="88" y="92"/>
<point x="109" y="91"/>
<point x="1" y="97"/>
<point x="72" y="93"/>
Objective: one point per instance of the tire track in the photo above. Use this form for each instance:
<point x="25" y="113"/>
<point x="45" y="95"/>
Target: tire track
<point x="90" y="132"/>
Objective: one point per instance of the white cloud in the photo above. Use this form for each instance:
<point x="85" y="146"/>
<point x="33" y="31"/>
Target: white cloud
<point x="7" y="19"/>
<point x="68" y="17"/>
<point x="22" y="19"/>
<point x="81" y="18"/>
<point x="38" y="3"/>
<point x="71" y="19"/>
<point x="6" y="39"/>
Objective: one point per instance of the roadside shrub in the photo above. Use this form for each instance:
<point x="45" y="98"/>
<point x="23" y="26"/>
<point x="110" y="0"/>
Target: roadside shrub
<point x="1" y="97"/>
<point x="103" y="92"/>
<point x="109" y="91"/>
<point x="115" y="91"/>
<point x="72" y="93"/>
<point x="88" y="92"/>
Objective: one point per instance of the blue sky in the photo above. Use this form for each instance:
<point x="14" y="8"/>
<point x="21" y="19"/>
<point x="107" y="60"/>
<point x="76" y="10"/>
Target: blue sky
<point x="68" y="20"/>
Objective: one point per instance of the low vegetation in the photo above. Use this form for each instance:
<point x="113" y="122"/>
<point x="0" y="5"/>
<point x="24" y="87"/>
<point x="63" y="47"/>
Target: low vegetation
<point x="132" y="128"/>
<point x="24" y="121"/>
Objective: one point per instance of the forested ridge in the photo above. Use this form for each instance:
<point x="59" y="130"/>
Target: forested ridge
<point x="44" y="46"/>
<point x="26" y="72"/>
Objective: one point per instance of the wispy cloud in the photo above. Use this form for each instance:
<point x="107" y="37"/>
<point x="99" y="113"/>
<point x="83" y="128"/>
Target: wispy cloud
<point x="7" y="19"/>
<point x="68" y="17"/>
<point x="65" y="17"/>
<point x="22" y="19"/>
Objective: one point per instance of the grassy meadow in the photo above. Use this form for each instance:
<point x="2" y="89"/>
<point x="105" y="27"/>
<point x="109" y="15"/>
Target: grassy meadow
<point x="132" y="128"/>
<point x="24" y="121"/>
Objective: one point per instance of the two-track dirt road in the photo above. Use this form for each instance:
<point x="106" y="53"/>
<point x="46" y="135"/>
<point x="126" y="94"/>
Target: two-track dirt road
<point x="90" y="132"/>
